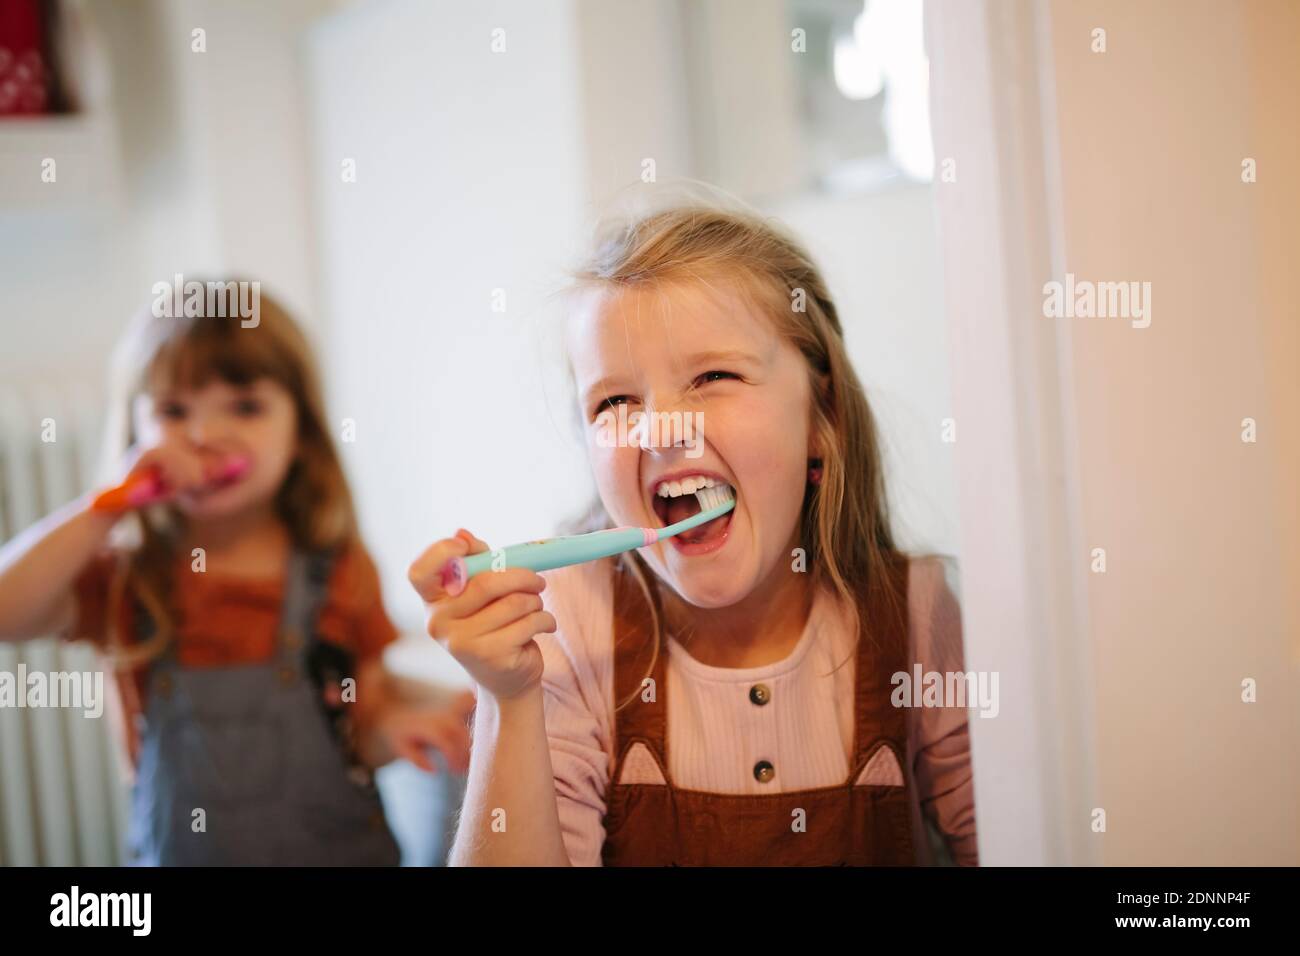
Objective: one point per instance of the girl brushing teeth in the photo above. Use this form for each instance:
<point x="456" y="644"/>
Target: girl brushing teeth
<point x="237" y="604"/>
<point x="721" y="697"/>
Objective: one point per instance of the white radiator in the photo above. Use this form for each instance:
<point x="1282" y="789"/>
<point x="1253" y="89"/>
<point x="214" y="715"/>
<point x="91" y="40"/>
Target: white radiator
<point x="63" y="797"/>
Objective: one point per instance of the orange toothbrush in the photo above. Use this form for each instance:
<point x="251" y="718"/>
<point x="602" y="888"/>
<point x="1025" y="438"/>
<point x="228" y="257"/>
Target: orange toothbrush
<point x="148" y="486"/>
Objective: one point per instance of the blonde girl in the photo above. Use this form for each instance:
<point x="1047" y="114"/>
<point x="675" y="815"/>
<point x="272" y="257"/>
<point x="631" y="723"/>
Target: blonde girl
<point x="726" y="697"/>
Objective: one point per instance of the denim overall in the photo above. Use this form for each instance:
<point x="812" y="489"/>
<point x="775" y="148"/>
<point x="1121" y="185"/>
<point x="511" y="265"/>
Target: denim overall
<point x="250" y="745"/>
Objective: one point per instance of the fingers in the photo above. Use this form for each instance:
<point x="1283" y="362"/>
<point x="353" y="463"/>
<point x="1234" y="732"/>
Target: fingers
<point x="425" y="575"/>
<point x="425" y="572"/>
<point x="179" y="469"/>
<point x="489" y="626"/>
<point x="414" y="751"/>
<point x="449" y="737"/>
<point x="481" y="632"/>
<point x="468" y="610"/>
<point x="182" y="468"/>
<point x="475" y="545"/>
<point x="493" y="586"/>
<point x="505" y="610"/>
<point x="519" y="633"/>
<point x="453" y="742"/>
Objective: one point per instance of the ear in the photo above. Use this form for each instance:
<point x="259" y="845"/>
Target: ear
<point x="815" y="471"/>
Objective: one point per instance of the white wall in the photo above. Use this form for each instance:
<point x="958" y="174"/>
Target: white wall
<point x="1122" y="688"/>
<point x="469" y="178"/>
<point x="182" y="162"/>
<point x="879" y="253"/>
<point x="1200" y="529"/>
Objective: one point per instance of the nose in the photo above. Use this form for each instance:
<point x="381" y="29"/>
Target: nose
<point x="666" y="426"/>
<point x="201" y="429"/>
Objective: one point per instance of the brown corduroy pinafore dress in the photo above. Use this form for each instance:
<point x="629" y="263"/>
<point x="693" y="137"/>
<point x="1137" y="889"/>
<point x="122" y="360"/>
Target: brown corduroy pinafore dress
<point x="846" y="825"/>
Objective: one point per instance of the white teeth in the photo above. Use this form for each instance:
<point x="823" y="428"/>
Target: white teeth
<point x="687" y="486"/>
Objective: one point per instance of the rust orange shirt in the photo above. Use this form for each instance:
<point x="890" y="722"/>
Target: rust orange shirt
<point x="225" y="620"/>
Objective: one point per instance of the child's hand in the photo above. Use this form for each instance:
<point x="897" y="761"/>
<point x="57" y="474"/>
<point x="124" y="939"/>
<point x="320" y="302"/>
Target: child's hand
<point x="409" y="732"/>
<point x="174" y="468"/>
<point x="488" y="627"/>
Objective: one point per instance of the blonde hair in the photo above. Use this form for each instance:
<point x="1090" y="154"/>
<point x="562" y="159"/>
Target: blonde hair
<point x="314" y="501"/>
<point x="845" y="525"/>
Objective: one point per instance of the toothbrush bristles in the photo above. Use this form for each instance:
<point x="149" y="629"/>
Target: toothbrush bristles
<point x="714" y="497"/>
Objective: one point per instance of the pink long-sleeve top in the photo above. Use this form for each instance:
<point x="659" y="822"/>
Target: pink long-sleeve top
<point x="715" y="734"/>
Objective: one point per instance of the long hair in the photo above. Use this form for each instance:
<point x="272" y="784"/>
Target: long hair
<point x="164" y="352"/>
<point x="845" y="525"/>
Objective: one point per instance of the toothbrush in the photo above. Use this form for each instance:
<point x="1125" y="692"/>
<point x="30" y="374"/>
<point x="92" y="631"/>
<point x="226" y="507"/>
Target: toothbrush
<point x="579" y="548"/>
<point x="147" y="487"/>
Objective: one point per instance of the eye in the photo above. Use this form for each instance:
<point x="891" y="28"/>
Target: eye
<point x="610" y="403"/>
<point x="169" y="409"/>
<point x="248" y="407"/>
<point x="716" y="375"/>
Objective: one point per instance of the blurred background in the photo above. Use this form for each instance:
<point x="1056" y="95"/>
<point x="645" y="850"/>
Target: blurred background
<point x="414" y="185"/>
<point x="414" y="177"/>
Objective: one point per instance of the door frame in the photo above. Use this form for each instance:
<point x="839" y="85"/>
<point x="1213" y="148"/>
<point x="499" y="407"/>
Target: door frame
<point x="1024" y="558"/>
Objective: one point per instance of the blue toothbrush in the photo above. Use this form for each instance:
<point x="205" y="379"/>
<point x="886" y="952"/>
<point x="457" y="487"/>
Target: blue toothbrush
<point x="579" y="548"/>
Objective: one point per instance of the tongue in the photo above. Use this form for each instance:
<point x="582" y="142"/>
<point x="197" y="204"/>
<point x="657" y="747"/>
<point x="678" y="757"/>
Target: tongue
<point x="704" y="531"/>
<point x="686" y="506"/>
<point x="682" y="507"/>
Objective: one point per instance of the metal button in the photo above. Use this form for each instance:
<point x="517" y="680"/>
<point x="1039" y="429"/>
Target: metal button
<point x="760" y="694"/>
<point x="764" y="771"/>
<point x="164" y="685"/>
<point x="293" y="640"/>
<point x="286" y="675"/>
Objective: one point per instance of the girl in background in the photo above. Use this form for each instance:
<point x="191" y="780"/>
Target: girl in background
<point x="723" y="697"/>
<point x="238" y="605"/>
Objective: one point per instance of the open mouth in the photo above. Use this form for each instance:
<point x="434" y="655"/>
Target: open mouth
<point x="674" y="500"/>
<point x="220" y="477"/>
